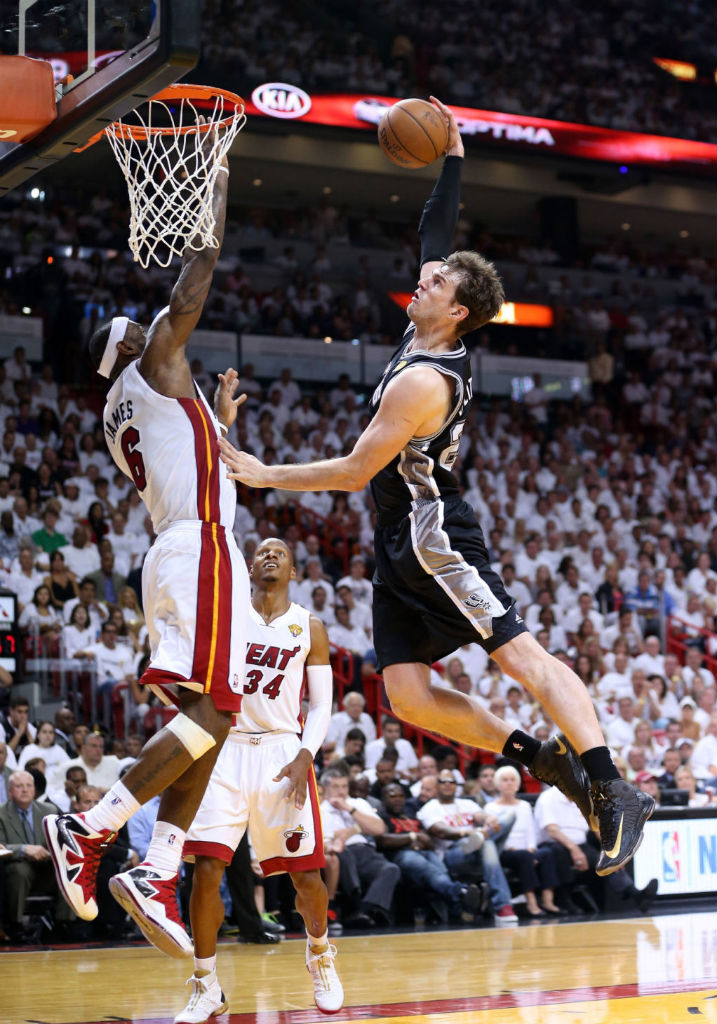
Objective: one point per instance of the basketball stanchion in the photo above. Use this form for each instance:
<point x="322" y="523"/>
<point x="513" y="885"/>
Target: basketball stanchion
<point x="170" y="152"/>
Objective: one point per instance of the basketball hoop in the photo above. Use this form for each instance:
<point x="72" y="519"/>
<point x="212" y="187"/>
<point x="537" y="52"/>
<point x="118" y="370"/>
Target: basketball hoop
<point x="170" y="162"/>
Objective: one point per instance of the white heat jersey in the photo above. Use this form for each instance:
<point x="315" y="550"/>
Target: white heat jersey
<point x="168" y="448"/>
<point x="275" y="658"/>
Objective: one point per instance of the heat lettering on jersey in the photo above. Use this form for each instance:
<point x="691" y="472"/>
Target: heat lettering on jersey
<point x="267" y="656"/>
<point x="117" y="417"/>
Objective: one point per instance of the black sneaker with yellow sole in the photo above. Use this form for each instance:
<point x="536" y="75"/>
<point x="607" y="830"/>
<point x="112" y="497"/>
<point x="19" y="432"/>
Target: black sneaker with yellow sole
<point x="622" y="812"/>
<point x="557" y="764"/>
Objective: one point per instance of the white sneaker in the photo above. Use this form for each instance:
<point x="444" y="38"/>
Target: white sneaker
<point x="207" y="1000"/>
<point x="149" y="895"/>
<point x="328" y="990"/>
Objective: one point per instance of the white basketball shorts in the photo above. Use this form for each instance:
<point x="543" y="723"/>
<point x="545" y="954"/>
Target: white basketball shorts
<point x="195" y="591"/>
<point x="241" y="793"/>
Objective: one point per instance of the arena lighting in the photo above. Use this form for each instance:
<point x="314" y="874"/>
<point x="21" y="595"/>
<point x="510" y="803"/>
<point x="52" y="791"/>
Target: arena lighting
<point x="519" y="314"/>
<point x="679" y="68"/>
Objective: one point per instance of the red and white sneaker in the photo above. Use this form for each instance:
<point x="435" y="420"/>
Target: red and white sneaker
<point x="149" y="895"/>
<point x="76" y="851"/>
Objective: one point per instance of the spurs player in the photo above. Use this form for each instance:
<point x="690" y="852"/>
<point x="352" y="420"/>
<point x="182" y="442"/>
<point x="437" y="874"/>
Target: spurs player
<point x="264" y="778"/>
<point x="163" y="435"/>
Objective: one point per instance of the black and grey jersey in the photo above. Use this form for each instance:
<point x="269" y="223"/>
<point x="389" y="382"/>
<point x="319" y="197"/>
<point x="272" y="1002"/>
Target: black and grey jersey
<point x="421" y="472"/>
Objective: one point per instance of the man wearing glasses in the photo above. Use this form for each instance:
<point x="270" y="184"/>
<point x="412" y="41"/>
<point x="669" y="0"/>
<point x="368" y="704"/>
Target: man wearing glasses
<point x="465" y="836"/>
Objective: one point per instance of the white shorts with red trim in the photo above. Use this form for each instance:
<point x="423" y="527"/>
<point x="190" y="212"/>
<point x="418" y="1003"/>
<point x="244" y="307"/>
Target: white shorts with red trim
<point x="241" y="793"/>
<point x="195" y="591"/>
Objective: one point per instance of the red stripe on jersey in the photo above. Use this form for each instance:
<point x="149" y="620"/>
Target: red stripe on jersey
<point x="204" y="640"/>
<point x="223" y="624"/>
<point x="206" y="454"/>
<point x="215" y="464"/>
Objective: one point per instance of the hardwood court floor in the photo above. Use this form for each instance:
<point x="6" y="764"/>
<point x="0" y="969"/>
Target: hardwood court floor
<point x="660" y="970"/>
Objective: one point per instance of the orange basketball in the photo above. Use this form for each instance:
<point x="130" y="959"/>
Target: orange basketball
<point x="413" y="133"/>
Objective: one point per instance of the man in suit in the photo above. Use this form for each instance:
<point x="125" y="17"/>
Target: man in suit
<point x="107" y="582"/>
<point x="30" y="867"/>
<point x="5" y="772"/>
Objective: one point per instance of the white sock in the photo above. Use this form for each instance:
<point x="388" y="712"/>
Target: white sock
<point x="113" y="810"/>
<point x="314" y="941"/>
<point x="205" y="965"/>
<point x="165" y="848"/>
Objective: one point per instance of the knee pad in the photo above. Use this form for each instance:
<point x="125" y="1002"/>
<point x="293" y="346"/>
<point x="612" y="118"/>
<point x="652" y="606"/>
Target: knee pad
<point x="192" y="736"/>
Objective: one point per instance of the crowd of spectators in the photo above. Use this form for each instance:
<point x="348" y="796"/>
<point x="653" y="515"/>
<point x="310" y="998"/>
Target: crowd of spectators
<point x="600" y="514"/>
<point x="582" y="62"/>
<point x="603" y="525"/>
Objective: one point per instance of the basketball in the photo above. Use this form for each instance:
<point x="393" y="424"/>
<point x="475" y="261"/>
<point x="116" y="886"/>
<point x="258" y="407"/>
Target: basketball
<point x="412" y="133"/>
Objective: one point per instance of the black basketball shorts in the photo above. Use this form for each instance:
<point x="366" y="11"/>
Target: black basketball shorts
<point x="434" y="589"/>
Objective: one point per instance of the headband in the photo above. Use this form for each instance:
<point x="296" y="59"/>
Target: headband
<point x="117" y="333"/>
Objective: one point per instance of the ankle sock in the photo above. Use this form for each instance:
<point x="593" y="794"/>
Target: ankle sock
<point x="205" y="965"/>
<point x="113" y="810"/>
<point x="318" y="942"/>
<point x="521" y="747"/>
<point x="165" y="849"/>
<point x="598" y="763"/>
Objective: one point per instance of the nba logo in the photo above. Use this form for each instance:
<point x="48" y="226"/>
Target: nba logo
<point x="671" y="860"/>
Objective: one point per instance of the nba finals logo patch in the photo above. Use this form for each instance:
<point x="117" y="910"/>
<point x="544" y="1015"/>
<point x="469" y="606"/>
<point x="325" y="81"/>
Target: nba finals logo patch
<point x="295" y="630"/>
<point x="293" y="837"/>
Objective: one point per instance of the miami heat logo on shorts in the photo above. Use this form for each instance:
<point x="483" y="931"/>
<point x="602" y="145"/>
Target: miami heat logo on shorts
<point x="295" y="630"/>
<point x="293" y="837"/>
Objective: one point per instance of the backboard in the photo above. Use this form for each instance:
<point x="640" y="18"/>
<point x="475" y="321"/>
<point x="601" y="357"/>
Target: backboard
<point x="118" y="52"/>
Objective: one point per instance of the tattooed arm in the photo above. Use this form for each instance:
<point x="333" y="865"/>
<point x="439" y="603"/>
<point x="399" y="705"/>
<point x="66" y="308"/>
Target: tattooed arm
<point x="164" y="364"/>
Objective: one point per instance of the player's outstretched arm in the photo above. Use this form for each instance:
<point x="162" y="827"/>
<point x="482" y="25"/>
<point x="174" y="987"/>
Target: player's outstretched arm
<point x="410" y="407"/>
<point x="321" y="691"/>
<point x="168" y="335"/>
<point x="440" y="214"/>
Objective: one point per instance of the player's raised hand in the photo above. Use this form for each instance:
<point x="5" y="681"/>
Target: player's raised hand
<point x="225" y="402"/>
<point x="242" y="467"/>
<point x="297" y="772"/>
<point x="455" y="142"/>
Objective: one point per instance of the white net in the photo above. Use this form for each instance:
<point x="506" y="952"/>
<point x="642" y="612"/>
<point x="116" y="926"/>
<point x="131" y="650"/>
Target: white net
<point x="170" y="165"/>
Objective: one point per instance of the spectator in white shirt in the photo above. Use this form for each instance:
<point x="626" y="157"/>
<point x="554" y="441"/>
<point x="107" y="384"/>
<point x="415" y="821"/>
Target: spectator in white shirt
<point x="359" y="613"/>
<point x="101" y="770"/>
<point x="353" y="716"/>
<point x="361" y="587"/>
<point x="319" y="606"/>
<point x="570" y="589"/>
<point x="313" y="576"/>
<point x="697" y="577"/>
<point x="114" y="663"/>
<point x="24" y="577"/>
<point x="516" y="588"/>
<point x="651" y="661"/>
<point x="694" y="674"/>
<point x="704" y="756"/>
<point x="366" y="877"/>
<point x="81" y="557"/>
<point x="616" y="682"/>
<point x="96" y="610"/>
<point x="585" y="610"/>
<point x="621" y="731"/>
<point x="345" y="634"/>
<point x="391" y="738"/>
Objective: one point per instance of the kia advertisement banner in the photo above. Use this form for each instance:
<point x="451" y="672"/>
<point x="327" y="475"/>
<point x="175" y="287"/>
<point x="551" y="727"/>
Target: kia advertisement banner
<point x="681" y="853"/>
<point x="506" y="131"/>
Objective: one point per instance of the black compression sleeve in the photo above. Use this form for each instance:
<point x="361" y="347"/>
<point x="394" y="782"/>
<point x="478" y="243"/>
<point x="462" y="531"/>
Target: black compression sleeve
<point x="440" y="214"/>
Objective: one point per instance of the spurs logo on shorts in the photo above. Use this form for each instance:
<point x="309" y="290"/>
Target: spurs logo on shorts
<point x="293" y="837"/>
<point x="475" y="601"/>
